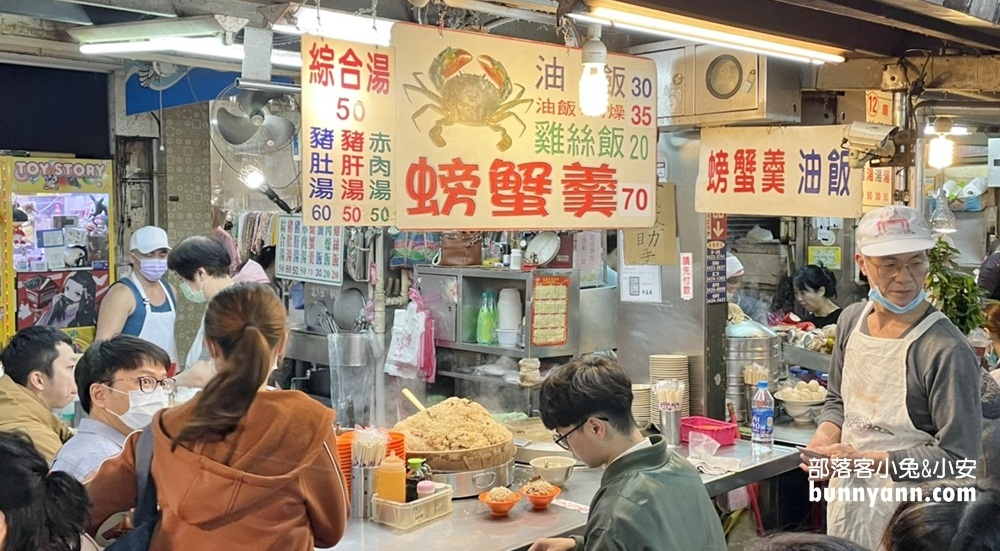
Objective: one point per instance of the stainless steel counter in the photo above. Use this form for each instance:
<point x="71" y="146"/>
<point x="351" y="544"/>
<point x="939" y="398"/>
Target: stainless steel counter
<point x="795" y="435"/>
<point x="470" y="525"/>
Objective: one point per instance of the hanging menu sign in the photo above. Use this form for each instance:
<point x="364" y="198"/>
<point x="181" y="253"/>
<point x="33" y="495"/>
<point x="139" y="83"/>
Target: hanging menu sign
<point x="491" y="136"/>
<point x="309" y="253"/>
<point x="777" y="171"/>
<point x="348" y="133"/>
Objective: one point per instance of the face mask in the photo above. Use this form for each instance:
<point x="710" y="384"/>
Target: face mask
<point x="192" y="296"/>
<point x="152" y="268"/>
<point x="141" y="407"/>
<point x="876" y="296"/>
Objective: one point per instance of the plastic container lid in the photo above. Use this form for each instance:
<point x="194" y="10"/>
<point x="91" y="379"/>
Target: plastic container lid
<point x="426" y="487"/>
<point x="762" y="384"/>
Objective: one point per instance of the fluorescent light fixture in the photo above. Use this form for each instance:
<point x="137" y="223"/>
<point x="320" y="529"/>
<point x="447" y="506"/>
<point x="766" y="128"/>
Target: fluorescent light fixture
<point x="335" y="24"/>
<point x="202" y="47"/>
<point x="67" y="64"/>
<point x="201" y="25"/>
<point x="670" y="25"/>
<point x="503" y="11"/>
<point x="954" y="131"/>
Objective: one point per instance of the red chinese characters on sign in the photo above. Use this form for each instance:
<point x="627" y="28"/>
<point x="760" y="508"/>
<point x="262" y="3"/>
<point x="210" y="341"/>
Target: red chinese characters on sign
<point x="321" y="66"/>
<point x="718" y="171"/>
<point x="520" y="190"/>
<point x="744" y="169"/>
<point x="456" y="179"/>
<point x="745" y="161"/>
<point x="324" y="65"/>
<point x="687" y="276"/>
<point x="774" y="171"/>
<point x="589" y="189"/>
<point x="515" y="189"/>
<point x="378" y="73"/>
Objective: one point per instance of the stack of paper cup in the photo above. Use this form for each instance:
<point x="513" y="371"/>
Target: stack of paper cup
<point x="510" y="309"/>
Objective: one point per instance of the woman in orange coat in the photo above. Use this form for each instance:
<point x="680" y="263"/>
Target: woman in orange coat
<point x="239" y="467"/>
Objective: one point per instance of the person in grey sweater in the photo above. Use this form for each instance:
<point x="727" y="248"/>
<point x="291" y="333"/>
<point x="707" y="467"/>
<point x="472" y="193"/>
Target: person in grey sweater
<point x="650" y="498"/>
<point x="904" y="397"/>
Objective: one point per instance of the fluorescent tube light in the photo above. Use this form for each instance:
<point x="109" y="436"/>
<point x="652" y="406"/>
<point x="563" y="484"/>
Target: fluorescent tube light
<point x="202" y="47"/>
<point x="335" y="24"/>
<point x="954" y="131"/>
<point x="675" y="26"/>
<point x="201" y="25"/>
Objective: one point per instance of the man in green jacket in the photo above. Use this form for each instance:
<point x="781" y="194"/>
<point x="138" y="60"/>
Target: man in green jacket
<point x="650" y="498"/>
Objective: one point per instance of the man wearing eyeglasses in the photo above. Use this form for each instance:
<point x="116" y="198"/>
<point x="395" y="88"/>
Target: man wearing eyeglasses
<point x="650" y="498"/>
<point x="903" y="400"/>
<point x="123" y="382"/>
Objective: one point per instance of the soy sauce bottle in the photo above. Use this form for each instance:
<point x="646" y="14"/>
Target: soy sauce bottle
<point x="416" y="471"/>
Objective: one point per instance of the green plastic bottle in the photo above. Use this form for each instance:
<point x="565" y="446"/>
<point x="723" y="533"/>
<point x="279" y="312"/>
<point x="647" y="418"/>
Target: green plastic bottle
<point x="486" y="322"/>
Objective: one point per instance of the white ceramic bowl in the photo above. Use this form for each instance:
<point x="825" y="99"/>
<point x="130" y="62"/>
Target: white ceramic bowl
<point x="802" y="412"/>
<point x="554" y="469"/>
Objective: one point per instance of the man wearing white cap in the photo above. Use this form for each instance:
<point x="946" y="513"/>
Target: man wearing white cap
<point x="903" y="397"/>
<point x="752" y="307"/>
<point x="142" y="305"/>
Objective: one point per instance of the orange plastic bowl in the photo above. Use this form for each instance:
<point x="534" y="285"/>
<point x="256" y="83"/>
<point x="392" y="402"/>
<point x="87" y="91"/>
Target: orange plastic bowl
<point x="541" y="501"/>
<point x="499" y="508"/>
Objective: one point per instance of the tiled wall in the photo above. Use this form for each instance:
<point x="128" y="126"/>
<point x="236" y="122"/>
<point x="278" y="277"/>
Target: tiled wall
<point x="184" y="197"/>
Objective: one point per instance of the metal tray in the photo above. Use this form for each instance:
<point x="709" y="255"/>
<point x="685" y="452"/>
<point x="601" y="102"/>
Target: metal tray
<point x="473" y="483"/>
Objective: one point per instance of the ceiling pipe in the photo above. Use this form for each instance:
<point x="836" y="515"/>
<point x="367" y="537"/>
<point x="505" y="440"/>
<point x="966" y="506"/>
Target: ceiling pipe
<point x="941" y="108"/>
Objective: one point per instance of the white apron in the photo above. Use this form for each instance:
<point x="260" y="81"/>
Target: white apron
<point x="875" y="419"/>
<point x="158" y="327"/>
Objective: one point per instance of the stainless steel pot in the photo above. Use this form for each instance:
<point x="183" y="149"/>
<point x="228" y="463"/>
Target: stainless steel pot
<point x="473" y="483"/>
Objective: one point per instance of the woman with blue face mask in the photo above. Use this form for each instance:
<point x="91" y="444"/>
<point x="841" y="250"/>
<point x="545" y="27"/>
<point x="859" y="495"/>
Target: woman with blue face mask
<point x="202" y="263"/>
<point x="143" y="305"/>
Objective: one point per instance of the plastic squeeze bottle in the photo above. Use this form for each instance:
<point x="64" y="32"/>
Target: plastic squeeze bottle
<point x="392" y="479"/>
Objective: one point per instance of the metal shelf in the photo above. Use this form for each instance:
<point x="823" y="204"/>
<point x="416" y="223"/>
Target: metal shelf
<point x="488" y="379"/>
<point x="793" y="355"/>
<point x="482" y="349"/>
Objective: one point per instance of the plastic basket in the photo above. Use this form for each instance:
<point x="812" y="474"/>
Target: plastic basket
<point x="404" y="516"/>
<point x="722" y="432"/>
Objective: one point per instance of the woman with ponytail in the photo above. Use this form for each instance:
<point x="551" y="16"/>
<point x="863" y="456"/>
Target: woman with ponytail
<point x="39" y="510"/>
<point x="239" y="467"/>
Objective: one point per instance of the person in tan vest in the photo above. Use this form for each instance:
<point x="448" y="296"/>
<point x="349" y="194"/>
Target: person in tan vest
<point x="38" y="376"/>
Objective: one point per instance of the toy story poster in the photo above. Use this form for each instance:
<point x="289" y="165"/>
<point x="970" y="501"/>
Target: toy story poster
<point x="60" y="299"/>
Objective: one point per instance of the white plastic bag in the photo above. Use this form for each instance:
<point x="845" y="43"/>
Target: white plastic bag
<point x="406" y="347"/>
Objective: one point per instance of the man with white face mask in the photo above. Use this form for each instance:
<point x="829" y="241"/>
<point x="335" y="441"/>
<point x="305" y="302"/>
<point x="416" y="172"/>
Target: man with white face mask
<point x="143" y="304"/>
<point x="904" y="397"/>
<point x="123" y="382"/>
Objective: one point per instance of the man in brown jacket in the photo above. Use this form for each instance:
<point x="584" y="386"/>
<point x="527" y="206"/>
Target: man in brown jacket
<point x="36" y="378"/>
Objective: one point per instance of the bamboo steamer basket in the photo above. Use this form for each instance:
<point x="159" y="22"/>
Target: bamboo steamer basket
<point x="475" y="459"/>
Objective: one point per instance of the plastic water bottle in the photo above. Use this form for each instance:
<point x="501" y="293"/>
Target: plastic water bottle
<point x="762" y="420"/>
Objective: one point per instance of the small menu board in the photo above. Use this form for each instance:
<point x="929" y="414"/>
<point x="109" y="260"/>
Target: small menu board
<point x="550" y="311"/>
<point x="309" y="253"/>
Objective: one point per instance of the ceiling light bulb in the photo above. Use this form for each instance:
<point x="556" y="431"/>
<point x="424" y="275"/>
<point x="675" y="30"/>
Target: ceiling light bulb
<point x="593" y="80"/>
<point x="253" y="178"/>
<point x="940" y="152"/>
